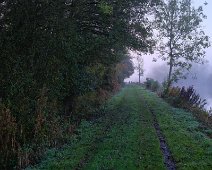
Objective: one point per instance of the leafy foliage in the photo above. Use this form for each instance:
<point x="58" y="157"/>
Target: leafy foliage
<point x="181" y="39"/>
<point x="57" y="55"/>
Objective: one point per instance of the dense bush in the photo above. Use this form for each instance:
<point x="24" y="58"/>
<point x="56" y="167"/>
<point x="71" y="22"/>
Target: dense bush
<point x="153" y="85"/>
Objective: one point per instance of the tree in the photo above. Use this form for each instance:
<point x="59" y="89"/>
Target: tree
<point x="181" y="39"/>
<point x="139" y="66"/>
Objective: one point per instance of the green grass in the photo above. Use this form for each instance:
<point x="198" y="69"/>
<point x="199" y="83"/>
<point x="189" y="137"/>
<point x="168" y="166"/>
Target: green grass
<point x="191" y="148"/>
<point x="124" y="138"/>
<point x="132" y="141"/>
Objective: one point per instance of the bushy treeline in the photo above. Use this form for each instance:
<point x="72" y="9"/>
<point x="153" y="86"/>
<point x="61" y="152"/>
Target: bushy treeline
<point x="60" y="60"/>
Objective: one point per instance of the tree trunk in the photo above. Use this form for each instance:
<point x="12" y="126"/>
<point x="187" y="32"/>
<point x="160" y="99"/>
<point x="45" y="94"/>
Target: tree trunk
<point x="139" y="74"/>
<point x="169" y="81"/>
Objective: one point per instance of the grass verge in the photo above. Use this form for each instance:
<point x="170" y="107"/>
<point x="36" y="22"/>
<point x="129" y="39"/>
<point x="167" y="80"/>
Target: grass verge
<point x="190" y="147"/>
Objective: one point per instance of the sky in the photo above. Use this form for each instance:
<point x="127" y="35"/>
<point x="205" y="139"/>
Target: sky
<point x="202" y="73"/>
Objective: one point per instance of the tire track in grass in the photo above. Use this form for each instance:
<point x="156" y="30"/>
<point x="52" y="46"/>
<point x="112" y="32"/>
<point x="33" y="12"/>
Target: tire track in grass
<point x="123" y="138"/>
<point x="133" y="144"/>
<point x="190" y="148"/>
<point x="93" y="149"/>
<point x="168" y="159"/>
<point x="147" y="121"/>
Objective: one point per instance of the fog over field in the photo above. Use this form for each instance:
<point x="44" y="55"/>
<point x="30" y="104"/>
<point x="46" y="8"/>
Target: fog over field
<point x="200" y="75"/>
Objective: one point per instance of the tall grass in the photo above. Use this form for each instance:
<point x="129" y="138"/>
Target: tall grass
<point x="188" y="99"/>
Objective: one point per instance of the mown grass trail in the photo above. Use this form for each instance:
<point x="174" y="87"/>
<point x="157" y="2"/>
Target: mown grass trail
<point x="125" y="138"/>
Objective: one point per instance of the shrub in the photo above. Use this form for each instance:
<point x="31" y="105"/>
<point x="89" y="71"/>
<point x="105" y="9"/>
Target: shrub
<point x="87" y="105"/>
<point x="152" y="84"/>
<point x="185" y="98"/>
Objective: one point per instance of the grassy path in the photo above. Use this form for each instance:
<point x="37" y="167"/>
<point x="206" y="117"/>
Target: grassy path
<point x="124" y="138"/>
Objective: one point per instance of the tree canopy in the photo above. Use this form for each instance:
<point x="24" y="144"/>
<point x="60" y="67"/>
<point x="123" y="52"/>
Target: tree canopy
<point x="59" y="61"/>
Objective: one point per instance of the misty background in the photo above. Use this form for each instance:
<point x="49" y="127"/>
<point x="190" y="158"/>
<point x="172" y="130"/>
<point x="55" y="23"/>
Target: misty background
<point x="200" y="75"/>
